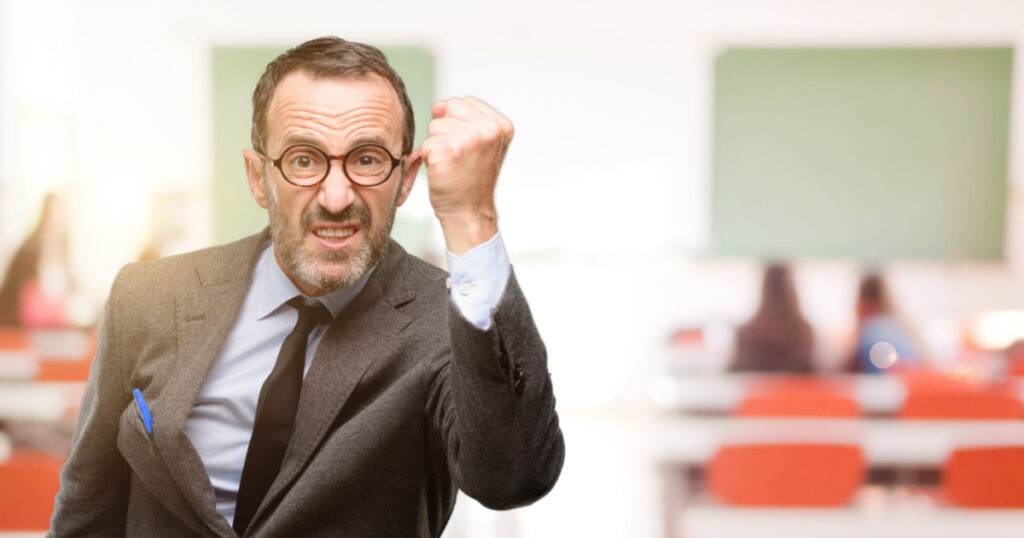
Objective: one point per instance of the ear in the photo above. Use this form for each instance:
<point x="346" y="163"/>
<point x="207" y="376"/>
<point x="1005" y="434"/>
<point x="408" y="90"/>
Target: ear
<point x="412" y="168"/>
<point x="254" y="171"/>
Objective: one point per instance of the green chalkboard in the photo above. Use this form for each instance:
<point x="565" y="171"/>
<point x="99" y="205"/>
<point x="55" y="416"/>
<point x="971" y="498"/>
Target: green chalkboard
<point x="235" y="72"/>
<point x="877" y="154"/>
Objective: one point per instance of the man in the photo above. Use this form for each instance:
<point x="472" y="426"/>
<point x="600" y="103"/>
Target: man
<point x="412" y="384"/>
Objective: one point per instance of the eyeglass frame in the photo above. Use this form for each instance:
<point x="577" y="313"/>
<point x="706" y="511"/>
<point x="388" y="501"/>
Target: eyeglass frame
<point x="330" y="158"/>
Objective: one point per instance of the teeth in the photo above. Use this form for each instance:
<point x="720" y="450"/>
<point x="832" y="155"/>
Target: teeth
<point x="334" y="232"/>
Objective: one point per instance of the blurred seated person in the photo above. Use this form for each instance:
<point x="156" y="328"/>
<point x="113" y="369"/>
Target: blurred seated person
<point x="37" y="283"/>
<point x="878" y="323"/>
<point x="777" y="338"/>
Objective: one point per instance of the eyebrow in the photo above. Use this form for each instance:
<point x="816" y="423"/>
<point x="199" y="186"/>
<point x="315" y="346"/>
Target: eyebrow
<point x="367" y="139"/>
<point x="293" y="139"/>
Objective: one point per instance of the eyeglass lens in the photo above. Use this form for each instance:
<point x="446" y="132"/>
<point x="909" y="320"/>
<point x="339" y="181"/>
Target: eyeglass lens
<point x="305" y="165"/>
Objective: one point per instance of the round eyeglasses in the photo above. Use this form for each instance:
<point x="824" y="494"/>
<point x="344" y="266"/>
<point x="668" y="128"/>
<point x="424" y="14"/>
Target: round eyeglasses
<point x="304" y="165"/>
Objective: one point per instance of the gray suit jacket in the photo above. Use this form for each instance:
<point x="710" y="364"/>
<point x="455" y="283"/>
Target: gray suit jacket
<point x="404" y="402"/>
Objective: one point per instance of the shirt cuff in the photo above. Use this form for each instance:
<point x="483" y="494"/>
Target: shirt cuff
<point x="478" y="278"/>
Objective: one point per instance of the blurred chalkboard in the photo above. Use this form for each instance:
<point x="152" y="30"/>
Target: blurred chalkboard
<point x="866" y="153"/>
<point x="235" y="72"/>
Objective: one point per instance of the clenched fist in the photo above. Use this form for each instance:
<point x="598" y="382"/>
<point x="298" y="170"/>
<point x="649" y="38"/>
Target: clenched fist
<point x="463" y="152"/>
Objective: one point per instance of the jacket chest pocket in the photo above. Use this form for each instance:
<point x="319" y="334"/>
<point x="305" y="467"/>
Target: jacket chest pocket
<point x="136" y="445"/>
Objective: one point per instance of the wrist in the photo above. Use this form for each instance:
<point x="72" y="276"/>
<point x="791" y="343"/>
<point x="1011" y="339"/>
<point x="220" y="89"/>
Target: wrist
<point x="464" y="232"/>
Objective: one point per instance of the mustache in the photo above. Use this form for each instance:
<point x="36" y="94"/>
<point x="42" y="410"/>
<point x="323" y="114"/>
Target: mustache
<point x="355" y="212"/>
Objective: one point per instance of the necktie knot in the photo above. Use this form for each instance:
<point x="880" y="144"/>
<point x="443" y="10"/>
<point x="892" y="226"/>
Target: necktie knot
<point x="311" y="314"/>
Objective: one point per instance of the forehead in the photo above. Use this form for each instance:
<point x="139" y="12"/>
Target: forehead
<point x="330" y="110"/>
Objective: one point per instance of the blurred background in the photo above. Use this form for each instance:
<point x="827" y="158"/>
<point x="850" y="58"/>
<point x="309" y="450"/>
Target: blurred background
<point x="775" y="248"/>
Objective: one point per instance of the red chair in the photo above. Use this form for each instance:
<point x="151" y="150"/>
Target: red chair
<point x="28" y="483"/>
<point x="72" y="368"/>
<point x="799" y="397"/>
<point x="14" y="338"/>
<point x="989" y="477"/>
<point x="59" y="370"/>
<point x="786" y="474"/>
<point x="939" y="396"/>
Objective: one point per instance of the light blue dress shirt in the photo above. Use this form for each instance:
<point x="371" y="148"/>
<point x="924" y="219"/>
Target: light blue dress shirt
<point x="478" y="278"/>
<point x="220" y="423"/>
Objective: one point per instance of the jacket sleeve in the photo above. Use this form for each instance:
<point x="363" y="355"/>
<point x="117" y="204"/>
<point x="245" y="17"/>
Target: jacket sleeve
<point x="93" y="495"/>
<point x="494" y="406"/>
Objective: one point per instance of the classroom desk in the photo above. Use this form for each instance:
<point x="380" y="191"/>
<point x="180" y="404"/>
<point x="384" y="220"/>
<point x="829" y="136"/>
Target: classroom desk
<point x="692" y="440"/>
<point x="42" y="401"/>
<point x="898" y="453"/>
<point x="721" y="394"/>
<point x="921" y="521"/>
<point x="18" y="365"/>
<point x="35" y="383"/>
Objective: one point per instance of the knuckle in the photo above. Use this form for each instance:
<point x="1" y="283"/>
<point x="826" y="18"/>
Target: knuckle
<point x="441" y="152"/>
<point x="453" y="151"/>
<point x="491" y="131"/>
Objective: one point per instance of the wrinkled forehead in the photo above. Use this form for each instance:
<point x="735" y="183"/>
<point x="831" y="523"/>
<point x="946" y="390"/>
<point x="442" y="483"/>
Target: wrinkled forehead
<point x="331" y="107"/>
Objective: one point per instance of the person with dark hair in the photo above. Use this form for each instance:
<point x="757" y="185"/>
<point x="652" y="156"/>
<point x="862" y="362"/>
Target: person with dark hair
<point x="777" y="338"/>
<point x="36" y="285"/>
<point x="882" y="339"/>
<point x="315" y="379"/>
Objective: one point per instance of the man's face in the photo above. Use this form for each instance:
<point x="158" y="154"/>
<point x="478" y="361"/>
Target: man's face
<point x="327" y="236"/>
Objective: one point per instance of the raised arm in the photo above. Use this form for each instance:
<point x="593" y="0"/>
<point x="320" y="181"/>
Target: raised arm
<point x="492" y="399"/>
<point x="494" y="407"/>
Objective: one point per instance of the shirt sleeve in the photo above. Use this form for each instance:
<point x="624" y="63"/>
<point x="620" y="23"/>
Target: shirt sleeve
<point x="478" y="279"/>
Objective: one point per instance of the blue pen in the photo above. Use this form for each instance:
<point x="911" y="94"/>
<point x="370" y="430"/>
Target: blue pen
<point x="140" y="403"/>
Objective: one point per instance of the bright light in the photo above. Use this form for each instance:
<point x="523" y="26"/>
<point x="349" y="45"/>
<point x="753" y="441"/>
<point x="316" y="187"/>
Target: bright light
<point x="997" y="329"/>
<point x="883" y="355"/>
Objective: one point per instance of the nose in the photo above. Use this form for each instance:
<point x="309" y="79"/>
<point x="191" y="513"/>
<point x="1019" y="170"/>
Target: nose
<point x="336" y="192"/>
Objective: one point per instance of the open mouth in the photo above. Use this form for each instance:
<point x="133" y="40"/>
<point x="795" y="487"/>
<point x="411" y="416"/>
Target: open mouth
<point x="335" y="237"/>
<point x="334" y="233"/>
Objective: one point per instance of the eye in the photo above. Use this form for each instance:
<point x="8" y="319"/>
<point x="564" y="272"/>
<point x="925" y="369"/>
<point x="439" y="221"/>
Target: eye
<point x="303" y="163"/>
<point x="368" y="164"/>
<point x="302" y="160"/>
<point x="368" y="157"/>
<point x="368" y="160"/>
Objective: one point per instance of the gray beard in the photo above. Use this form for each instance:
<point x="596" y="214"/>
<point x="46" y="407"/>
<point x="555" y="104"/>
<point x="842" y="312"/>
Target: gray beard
<point x="288" y="243"/>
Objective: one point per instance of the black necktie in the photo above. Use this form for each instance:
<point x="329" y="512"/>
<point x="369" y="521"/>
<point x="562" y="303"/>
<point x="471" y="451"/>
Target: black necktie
<point x="275" y="413"/>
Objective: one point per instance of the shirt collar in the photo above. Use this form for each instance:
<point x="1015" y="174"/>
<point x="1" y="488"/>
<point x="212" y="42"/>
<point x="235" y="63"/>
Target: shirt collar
<point x="276" y="289"/>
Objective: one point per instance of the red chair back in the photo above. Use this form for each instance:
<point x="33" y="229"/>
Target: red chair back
<point x="13" y="338"/>
<point x="786" y="474"/>
<point x="798" y="397"/>
<point x="63" y="370"/>
<point x="30" y="481"/>
<point x="989" y="477"/>
<point x="938" y="396"/>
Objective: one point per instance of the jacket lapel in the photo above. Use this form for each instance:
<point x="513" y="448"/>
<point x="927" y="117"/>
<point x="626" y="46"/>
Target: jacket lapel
<point x="140" y="451"/>
<point x="204" y="315"/>
<point x="345" y="353"/>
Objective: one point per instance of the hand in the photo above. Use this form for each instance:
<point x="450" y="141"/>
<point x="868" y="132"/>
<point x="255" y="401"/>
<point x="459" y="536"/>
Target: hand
<point x="463" y="152"/>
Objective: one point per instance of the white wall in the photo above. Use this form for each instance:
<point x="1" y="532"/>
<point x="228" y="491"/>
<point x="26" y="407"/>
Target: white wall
<point x="118" y="93"/>
<point x="605" y="194"/>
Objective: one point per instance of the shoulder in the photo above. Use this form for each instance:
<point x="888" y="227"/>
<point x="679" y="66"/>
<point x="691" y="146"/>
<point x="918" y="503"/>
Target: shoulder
<point x="149" y="278"/>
